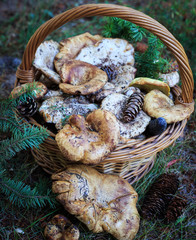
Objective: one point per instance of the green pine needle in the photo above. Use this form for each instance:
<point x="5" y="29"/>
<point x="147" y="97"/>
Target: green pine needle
<point x="20" y="135"/>
<point x="148" y="64"/>
<point x="21" y="195"/>
<point x="28" y="137"/>
<point x="30" y="90"/>
<point x="119" y="28"/>
<point x="23" y="134"/>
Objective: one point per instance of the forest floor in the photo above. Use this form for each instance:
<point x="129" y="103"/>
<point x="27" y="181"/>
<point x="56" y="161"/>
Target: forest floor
<point x="19" y="21"/>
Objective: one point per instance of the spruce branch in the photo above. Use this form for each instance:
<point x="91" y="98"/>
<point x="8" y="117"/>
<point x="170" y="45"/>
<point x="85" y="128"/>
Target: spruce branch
<point x="9" y="120"/>
<point x="119" y="28"/>
<point x="19" y="135"/>
<point x="148" y="64"/>
<point x="22" y="195"/>
<point x="23" y="134"/>
<point x="29" y="137"/>
<point x="29" y="90"/>
<point x="7" y="123"/>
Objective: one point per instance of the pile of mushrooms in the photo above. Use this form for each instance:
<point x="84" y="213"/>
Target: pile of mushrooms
<point x="80" y="68"/>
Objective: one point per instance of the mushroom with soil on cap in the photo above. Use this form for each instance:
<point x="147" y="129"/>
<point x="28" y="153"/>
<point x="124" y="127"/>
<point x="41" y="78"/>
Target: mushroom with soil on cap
<point x="101" y="201"/>
<point x="60" y="228"/>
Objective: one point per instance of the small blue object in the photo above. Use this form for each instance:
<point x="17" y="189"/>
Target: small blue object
<point x="156" y="126"/>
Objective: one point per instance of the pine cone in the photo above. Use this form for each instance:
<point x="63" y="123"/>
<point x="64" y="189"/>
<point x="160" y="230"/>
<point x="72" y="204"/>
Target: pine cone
<point x="175" y="209"/>
<point x="27" y="108"/>
<point x="110" y="71"/>
<point x="159" y="196"/>
<point x="133" y="106"/>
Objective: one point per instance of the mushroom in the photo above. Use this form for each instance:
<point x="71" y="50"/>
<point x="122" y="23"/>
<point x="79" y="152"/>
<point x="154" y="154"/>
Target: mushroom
<point x="101" y="201"/>
<point x="148" y="84"/>
<point x="135" y="127"/>
<point x="98" y="96"/>
<point x="130" y="90"/>
<point x="125" y="75"/>
<point x="113" y="55"/>
<point x="53" y="93"/>
<point x="171" y="78"/>
<point x="60" y="228"/>
<point x="44" y="60"/>
<point x="57" y="109"/>
<point x="115" y="104"/>
<point x="157" y="104"/>
<point x="70" y="47"/>
<point x="108" y="52"/>
<point x="90" y="140"/>
<point x="38" y="88"/>
<point x="81" y="78"/>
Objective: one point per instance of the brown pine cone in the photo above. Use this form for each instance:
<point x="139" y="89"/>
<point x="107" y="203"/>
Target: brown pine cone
<point x="27" y="108"/>
<point x="133" y="106"/>
<point x="175" y="209"/>
<point x="159" y="196"/>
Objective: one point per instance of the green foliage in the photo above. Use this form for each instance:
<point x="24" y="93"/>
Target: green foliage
<point x="149" y="63"/>
<point x="21" y="195"/>
<point x="20" y="135"/>
<point x="23" y="135"/>
<point x="119" y="28"/>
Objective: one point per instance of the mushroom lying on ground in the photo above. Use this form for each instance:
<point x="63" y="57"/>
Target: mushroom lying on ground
<point x="103" y="202"/>
<point x="157" y="104"/>
<point x="44" y="60"/>
<point x="90" y="140"/>
<point x="39" y="90"/>
<point x="60" y="228"/>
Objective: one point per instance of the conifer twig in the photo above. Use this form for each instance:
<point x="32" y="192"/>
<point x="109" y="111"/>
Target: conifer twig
<point x="22" y="195"/>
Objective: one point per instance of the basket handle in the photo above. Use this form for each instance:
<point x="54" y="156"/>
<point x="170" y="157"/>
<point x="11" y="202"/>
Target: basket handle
<point x="25" y="71"/>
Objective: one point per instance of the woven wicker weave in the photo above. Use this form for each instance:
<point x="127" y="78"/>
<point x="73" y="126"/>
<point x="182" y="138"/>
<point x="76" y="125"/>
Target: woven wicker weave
<point x="135" y="158"/>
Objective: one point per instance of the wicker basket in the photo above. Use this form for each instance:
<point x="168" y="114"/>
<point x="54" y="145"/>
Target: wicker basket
<point x="135" y="158"/>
